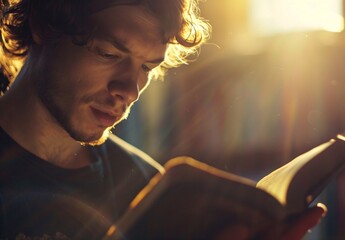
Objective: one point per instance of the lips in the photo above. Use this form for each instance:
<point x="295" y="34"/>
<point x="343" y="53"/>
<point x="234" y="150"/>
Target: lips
<point x="104" y="118"/>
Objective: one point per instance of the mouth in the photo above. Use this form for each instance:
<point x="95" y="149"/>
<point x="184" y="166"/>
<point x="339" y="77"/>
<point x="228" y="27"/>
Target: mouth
<point x="106" y="119"/>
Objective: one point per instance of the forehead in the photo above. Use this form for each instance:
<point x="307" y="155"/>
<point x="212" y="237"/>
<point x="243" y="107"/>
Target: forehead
<point x="128" y="19"/>
<point x="134" y="27"/>
<point x="96" y="5"/>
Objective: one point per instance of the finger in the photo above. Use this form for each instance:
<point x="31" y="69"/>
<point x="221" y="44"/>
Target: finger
<point x="300" y="225"/>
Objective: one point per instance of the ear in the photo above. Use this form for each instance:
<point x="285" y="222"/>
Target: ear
<point x="36" y="37"/>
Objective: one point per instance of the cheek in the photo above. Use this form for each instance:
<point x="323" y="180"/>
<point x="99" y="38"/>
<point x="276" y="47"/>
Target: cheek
<point x="74" y="63"/>
<point x="143" y="83"/>
<point x="83" y="76"/>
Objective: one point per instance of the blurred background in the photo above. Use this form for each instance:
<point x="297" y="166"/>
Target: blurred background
<point x="267" y="87"/>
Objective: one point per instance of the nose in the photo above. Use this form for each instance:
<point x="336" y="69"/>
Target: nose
<point x="128" y="91"/>
<point x="124" y="85"/>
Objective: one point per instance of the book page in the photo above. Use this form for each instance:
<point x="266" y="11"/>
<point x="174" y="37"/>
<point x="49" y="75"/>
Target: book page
<point x="277" y="183"/>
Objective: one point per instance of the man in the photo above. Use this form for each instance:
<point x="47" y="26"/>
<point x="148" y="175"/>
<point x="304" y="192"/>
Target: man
<point x="85" y="64"/>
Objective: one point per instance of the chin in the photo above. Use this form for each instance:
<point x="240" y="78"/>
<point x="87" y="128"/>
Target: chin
<point x="99" y="141"/>
<point x="94" y="140"/>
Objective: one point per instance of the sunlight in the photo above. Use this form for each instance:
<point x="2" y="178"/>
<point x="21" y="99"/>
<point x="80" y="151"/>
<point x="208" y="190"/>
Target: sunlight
<point x="273" y="16"/>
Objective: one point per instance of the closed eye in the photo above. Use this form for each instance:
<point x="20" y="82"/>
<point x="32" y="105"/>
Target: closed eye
<point x="107" y="55"/>
<point x="145" y="68"/>
<point x="148" y="66"/>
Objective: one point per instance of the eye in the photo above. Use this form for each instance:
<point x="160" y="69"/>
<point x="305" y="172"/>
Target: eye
<point x="107" y="55"/>
<point x="145" y="68"/>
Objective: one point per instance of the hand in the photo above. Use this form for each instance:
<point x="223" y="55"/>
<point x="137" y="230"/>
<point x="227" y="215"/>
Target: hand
<point x="292" y="229"/>
<point x="298" y="226"/>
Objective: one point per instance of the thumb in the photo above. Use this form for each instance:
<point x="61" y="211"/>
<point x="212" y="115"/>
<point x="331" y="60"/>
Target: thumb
<point x="304" y="222"/>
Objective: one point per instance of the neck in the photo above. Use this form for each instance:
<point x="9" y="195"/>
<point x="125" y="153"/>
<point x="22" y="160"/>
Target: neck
<point x="28" y="122"/>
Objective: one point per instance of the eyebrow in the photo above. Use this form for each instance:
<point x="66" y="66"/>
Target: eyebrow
<point x="121" y="45"/>
<point x="156" y="61"/>
<point x="118" y="44"/>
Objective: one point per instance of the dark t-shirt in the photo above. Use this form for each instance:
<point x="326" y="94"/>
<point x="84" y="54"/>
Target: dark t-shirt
<point x="38" y="199"/>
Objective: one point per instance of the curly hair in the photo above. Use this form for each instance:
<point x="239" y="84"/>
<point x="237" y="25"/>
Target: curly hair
<point x="182" y="28"/>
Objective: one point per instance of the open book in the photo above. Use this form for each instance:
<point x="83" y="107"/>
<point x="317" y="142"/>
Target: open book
<point x="192" y="200"/>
